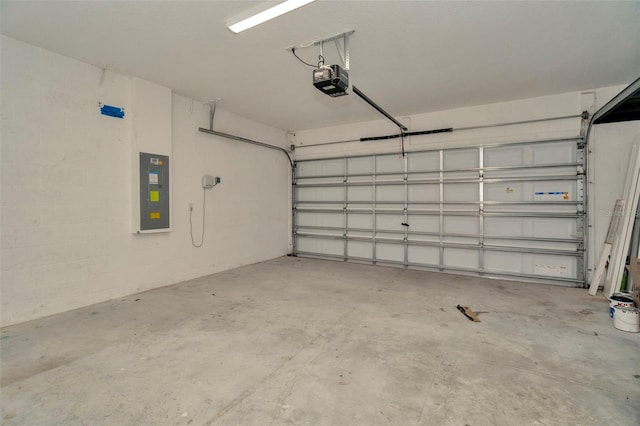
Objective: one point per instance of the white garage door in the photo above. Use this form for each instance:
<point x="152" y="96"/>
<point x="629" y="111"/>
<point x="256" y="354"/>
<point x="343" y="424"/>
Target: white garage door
<point x="515" y="210"/>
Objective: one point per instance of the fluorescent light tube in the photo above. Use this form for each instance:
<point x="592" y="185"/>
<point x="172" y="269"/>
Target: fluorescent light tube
<point x="267" y="15"/>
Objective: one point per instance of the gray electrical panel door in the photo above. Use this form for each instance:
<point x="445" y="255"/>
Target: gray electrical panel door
<point x="154" y="191"/>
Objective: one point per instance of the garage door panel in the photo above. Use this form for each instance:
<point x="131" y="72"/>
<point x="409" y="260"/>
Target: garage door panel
<point x="391" y="252"/>
<point x="496" y="157"/>
<point x="461" y="225"/>
<point x="320" y="194"/>
<point x="360" y="165"/>
<point x="531" y="155"/>
<point x="504" y="226"/>
<point x="514" y="209"/>
<point x="424" y="161"/>
<point x="504" y="191"/>
<point x="360" y="193"/>
<point x="461" y="192"/>
<point x="320" y="168"/>
<point x="360" y="249"/>
<point x="360" y="221"/>
<point x="554" y="153"/>
<point x="389" y="193"/>
<point x="424" y="223"/>
<point x="531" y="264"/>
<point x="551" y="190"/>
<point x="390" y="222"/>
<point x="531" y="227"/>
<point x="422" y="193"/>
<point x="320" y="219"/>
<point x="461" y="258"/>
<point x="528" y="244"/>
<point x="461" y="159"/>
<point x="390" y="236"/>
<point x="424" y="238"/>
<point x="553" y="266"/>
<point x="553" y="228"/>
<point x="389" y="163"/>
<point x="532" y="172"/>
<point x="504" y="262"/>
<point x="424" y="255"/>
<point x="359" y="234"/>
<point x="533" y="209"/>
<point x="320" y="246"/>
<point x="469" y="241"/>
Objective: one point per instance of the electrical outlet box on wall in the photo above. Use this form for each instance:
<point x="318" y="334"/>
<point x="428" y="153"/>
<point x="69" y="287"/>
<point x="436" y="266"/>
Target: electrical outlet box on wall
<point x="150" y="134"/>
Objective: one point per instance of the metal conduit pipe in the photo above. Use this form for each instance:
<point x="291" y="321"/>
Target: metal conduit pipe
<point x="241" y="139"/>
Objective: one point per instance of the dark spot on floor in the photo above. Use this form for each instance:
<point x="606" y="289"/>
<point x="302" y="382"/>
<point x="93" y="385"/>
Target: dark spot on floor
<point x="637" y="376"/>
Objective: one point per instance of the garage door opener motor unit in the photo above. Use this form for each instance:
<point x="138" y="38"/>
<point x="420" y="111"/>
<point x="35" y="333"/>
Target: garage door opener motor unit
<point x="332" y="80"/>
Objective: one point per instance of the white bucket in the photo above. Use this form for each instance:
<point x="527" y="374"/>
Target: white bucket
<point x="619" y="299"/>
<point x="627" y="319"/>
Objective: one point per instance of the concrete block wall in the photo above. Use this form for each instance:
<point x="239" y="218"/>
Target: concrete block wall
<point x="66" y="238"/>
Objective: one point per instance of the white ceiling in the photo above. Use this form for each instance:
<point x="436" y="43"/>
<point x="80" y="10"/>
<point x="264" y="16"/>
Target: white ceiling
<point x="408" y="56"/>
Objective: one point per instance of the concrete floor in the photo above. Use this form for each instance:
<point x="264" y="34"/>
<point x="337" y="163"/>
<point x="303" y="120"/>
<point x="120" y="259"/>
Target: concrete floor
<point x="311" y="342"/>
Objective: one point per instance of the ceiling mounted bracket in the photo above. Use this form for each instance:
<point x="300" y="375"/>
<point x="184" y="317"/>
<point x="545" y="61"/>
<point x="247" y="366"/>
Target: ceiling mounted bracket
<point x="343" y="50"/>
<point x="212" y="110"/>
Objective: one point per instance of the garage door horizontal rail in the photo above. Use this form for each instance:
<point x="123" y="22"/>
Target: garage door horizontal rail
<point x="439" y="181"/>
<point x="417" y="172"/>
<point x="440" y="268"/>
<point x="492" y="203"/>
<point x="439" y="234"/>
<point x="378" y="240"/>
<point x="446" y="212"/>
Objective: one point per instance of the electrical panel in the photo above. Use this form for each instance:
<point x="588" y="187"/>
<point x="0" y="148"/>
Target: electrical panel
<point x="154" y="192"/>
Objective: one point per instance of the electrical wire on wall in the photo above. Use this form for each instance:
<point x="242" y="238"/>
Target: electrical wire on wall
<point x="205" y="185"/>
<point x="204" y="204"/>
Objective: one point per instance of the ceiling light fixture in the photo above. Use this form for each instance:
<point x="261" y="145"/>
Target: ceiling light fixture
<point x="267" y="15"/>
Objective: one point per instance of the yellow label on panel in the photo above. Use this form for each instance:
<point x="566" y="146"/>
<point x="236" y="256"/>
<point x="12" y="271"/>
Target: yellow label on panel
<point x="154" y="195"/>
<point x="154" y="215"/>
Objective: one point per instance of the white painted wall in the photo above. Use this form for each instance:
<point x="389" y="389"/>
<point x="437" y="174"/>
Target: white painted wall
<point x="151" y="111"/>
<point x="66" y="190"/>
<point x="610" y="143"/>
